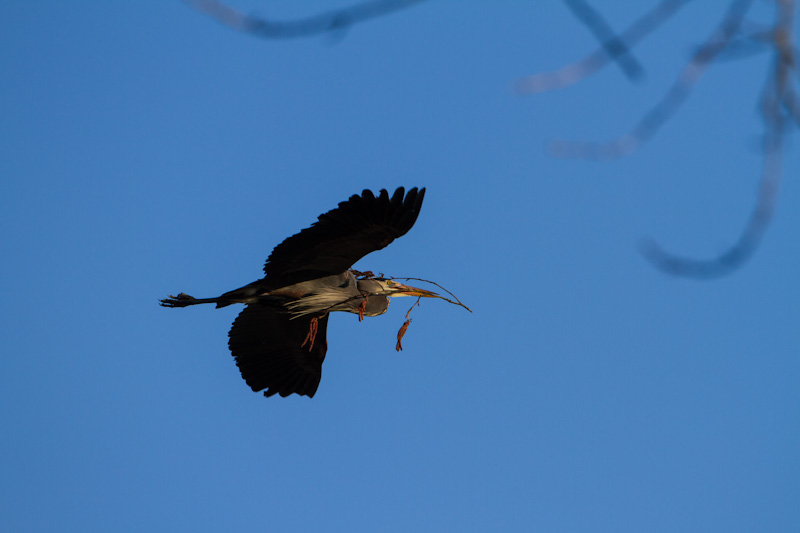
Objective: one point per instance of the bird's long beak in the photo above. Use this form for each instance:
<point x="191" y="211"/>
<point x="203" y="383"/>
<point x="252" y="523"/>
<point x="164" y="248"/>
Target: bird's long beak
<point x="405" y="290"/>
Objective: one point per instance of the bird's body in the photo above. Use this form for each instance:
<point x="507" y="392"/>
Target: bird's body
<point x="345" y="293"/>
<point x="279" y="339"/>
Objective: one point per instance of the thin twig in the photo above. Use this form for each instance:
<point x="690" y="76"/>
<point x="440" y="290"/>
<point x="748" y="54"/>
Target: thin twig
<point x="792" y="104"/>
<point x="594" y="62"/>
<point x="613" y="46"/>
<point x="334" y="20"/>
<point x="746" y="45"/>
<point x="457" y="302"/>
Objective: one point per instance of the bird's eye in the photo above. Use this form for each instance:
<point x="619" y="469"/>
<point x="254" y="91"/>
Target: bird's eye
<point x="389" y="282"/>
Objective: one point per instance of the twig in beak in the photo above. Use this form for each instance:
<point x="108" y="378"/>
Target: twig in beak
<point x="457" y="302"/>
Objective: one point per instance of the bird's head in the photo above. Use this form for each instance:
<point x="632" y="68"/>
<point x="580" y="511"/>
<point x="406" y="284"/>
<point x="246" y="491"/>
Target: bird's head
<point x="393" y="288"/>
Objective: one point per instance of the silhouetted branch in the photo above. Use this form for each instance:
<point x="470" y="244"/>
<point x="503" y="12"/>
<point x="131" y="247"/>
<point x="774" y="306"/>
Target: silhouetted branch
<point x="669" y="104"/>
<point x="614" y="47"/>
<point x="749" y="240"/>
<point x="575" y="72"/>
<point x="746" y="45"/>
<point x="324" y="22"/>
<point x="778" y="110"/>
<point x="734" y="38"/>
<point x="792" y="104"/>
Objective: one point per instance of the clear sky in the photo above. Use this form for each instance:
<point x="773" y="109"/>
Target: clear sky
<point x="145" y="149"/>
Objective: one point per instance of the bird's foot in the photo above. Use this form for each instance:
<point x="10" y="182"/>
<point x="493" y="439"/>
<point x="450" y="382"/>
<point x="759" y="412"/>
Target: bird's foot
<point x="361" y="309"/>
<point x="312" y="333"/>
<point x="181" y="300"/>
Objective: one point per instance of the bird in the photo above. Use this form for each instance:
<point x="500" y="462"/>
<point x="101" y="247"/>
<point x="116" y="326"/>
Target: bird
<point x="279" y="340"/>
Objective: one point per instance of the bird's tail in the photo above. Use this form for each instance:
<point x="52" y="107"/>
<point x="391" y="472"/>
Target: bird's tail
<point x="184" y="300"/>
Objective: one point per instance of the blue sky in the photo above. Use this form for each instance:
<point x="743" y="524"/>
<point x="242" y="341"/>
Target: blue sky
<point x="146" y="149"/>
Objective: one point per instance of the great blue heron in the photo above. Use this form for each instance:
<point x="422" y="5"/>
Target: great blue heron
<point x="279" y="339"/>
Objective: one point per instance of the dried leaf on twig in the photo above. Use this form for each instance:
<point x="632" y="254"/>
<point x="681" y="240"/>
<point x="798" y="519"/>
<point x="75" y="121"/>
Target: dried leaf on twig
<point x="400" y="334"/>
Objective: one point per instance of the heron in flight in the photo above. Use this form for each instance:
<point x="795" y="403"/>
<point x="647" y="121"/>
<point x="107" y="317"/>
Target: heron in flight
<point x="279" y="339"/>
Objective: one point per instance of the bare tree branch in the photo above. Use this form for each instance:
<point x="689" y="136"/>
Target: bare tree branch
<point x="734" y="38"/>
<point x="669" y="104"/>
<point x="778" y="110"/>
<point x="322" y="23"/>
<point x="746" y="45"/>
<point x="792" y="104"/>
<point x="575" y="72"/>
<point x="614" y="47"/>
<point x="743" y="249"/>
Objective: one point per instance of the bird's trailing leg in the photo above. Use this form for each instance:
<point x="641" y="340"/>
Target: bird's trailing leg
<point x="312" y="333"/>
<point x="361" y="309"/>
<point x="184" y="300"/>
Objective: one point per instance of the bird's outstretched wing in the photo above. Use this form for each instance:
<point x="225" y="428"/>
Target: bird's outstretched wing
<point x="267" y="347"/>
<point x="342" y="236"/>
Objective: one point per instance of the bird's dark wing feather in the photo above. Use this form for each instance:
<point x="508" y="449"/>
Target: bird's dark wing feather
<point x="266" y="346"/>
<point x="344" y="235"/>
